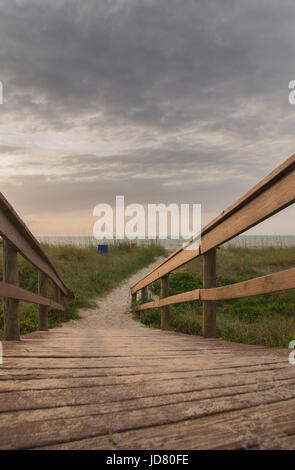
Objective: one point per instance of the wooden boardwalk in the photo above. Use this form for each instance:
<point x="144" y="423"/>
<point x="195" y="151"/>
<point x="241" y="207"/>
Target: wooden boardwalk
<point x="107" y="382"/>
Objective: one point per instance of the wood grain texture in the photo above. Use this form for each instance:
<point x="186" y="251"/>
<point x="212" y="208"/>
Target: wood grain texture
<point x="14" y="292"/>
<point x="279" y="281"/>
<point x="172" y="299"/>
<point x="72" y="387"/>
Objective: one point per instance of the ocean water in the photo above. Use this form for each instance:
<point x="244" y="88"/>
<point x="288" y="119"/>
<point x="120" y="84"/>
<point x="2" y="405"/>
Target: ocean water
<point x="241" y="240"/>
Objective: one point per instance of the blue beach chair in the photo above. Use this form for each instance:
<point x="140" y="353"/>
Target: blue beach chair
<point x="103" y="249"/>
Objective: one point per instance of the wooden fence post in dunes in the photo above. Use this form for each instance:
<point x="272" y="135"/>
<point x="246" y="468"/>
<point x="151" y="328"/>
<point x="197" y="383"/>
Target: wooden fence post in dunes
<point x="165" y="309"/>
<point x="11" y="306"/>
<point x="209" y="306"/>
<point x="43" y="310"/>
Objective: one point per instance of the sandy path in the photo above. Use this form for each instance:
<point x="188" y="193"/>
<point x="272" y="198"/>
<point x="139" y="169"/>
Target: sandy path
<point x="114" y="309"/>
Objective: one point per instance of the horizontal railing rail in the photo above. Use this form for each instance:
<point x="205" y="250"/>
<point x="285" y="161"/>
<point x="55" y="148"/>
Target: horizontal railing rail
<point x="269" y="196"/>
<point x="17" y="238"/>
<point x="12" y="292"/>
<point x="261" y="285"/>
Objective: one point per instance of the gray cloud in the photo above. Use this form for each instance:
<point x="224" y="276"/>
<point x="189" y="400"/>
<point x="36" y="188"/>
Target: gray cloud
<point x="142" y="60"/>
<point x="184" y="94"/>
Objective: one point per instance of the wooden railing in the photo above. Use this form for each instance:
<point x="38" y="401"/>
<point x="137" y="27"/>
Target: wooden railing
<point x="271" y="195"/>
<point x="17" y="238"/>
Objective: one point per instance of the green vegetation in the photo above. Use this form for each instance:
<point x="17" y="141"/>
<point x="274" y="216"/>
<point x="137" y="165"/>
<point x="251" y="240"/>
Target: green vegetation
<point x="265" y="319"/>
<point x="86" y="273"/>
<point x="113" y="439"/>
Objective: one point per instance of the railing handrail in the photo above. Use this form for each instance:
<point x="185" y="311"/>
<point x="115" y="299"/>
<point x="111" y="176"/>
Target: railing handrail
<point x="272" y="194"/>
<point x="260" y="285"/>
<point x="17" y="238"/>
<point x="15" y="230"/>
<point x="184" y="256"/>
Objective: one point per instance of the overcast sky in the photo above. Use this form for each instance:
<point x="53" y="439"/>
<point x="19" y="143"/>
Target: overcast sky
<point x="156" y="100"/>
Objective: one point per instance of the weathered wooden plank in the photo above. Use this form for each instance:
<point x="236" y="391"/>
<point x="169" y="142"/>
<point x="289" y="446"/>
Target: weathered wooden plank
<point x="266" y="204"/>
<point x="281" y="280"/>
<point x="173" y="299"/>
<point x="261" y="285"/>
<point x="55" y="431"/>
<point x="288" y="166"/>
<point x="14" y="292"/>
<point x="101" y="411"/>
<point x="167" y="372"/>
<point x="197" y="381"/>
<point x="37" y="399"/>
<point x="231" y="430"/>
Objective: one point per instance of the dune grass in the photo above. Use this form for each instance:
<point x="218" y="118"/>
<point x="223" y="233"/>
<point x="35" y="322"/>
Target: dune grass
<point x="264" y="319"/>
<point x="87" y="274"/>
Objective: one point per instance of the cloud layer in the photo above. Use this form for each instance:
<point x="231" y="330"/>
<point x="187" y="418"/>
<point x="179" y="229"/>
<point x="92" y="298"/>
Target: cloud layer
<point x="159" y="100"/>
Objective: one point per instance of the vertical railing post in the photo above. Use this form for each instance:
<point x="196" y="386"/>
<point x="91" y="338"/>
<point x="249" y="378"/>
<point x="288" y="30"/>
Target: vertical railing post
<point x="57" y="298"/>
<point x="11" y="306"/>
<point x="165" y="310"/>
<point x="43" y="310"/>
<point x="133" y="299"/>
<point x="209" y="306"/>
<point x="144" y="295"/>
<point x="143" y="301"/>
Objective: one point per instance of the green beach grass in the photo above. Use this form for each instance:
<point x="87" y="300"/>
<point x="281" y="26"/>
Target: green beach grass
<point x="267" y="320"/>
<point x="87" y="274"/>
